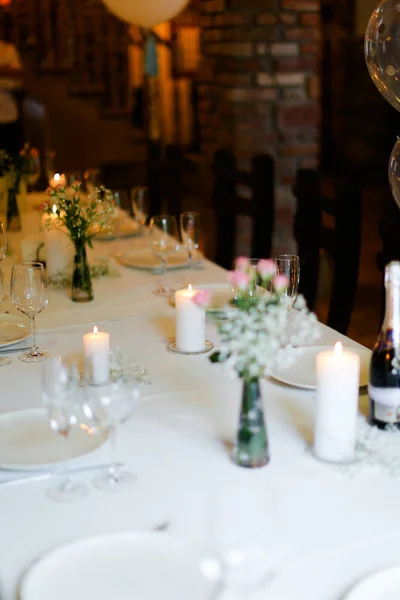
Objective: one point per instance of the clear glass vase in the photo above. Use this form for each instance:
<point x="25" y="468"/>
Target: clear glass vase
<point x="251" y="445"/>
<point x="82" y="289"/>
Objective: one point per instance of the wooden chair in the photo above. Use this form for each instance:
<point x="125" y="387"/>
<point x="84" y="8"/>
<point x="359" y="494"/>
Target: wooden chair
<point x="229" y="204"/>
<point x="344" y="242"/>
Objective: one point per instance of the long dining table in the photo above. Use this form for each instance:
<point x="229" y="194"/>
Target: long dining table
<point x="337" y="527"/>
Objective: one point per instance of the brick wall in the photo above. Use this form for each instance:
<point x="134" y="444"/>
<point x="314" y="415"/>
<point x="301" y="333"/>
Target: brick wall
<point x="260" y="88"/>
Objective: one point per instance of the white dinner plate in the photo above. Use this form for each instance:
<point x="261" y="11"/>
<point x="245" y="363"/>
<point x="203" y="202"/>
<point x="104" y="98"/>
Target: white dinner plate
<point x="381" y="586"/>
<point x="28" y="443"/>
<point x="301" y="372"/>
<point x="120" y="566"/>
<point x="13" y="329"/>
<point x="127" y="228"/>
<point x="143" y="259"/>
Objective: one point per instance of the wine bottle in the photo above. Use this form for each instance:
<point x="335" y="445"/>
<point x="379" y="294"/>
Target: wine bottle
<point x="384" y="378"/>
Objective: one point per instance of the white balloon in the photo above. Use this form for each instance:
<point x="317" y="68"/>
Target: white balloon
<point x="145" y="13"/>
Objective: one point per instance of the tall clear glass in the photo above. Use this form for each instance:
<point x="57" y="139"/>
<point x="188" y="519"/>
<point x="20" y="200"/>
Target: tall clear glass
<point x="91" y="179"/>
<point x="289" y="266"/>
<point x="29" y="295"/>
<point x="4" y="360"/>
<point x="190" y="233"/>
<point x="249" y="540"/>
<point x="163" y="240"/>
<point x="140" y="204"/>
<point x="3" y="241"/>
<point x="106" y="406"/>
<point x="60" y="394"/>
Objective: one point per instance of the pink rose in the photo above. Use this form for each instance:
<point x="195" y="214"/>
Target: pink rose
<point x="202" y="298"/>
<point x="76" y="185"/>
<point x="280" y="283"/>
<point x="266" y="268"/>
<point x="242" y="263"/>
<point x="239" y="280"/>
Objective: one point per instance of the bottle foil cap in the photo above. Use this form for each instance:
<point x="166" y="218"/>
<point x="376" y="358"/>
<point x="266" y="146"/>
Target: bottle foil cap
<point x="392" y="273"/>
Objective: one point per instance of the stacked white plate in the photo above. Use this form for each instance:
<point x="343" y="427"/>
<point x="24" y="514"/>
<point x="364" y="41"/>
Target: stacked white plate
<point x="13" y="329"/>
<point x="300" y="371"/>
<point x="124" y="566"/>
<point x="27" y="443"/>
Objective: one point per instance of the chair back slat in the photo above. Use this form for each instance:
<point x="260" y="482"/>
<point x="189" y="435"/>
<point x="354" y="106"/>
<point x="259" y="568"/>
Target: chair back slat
<point x="228" y="204"/>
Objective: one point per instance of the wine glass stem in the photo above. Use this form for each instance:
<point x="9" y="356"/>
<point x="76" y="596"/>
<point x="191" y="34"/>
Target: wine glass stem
<point x="113" y="471"/>
<point x="190" y="260"/>
<point x="164" y="285"/>
<point x="35" y="349"/>
<point x="67" y="482"/>
<point x="287" y="328"/>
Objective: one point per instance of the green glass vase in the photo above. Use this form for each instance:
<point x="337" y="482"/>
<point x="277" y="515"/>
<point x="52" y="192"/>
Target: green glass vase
<point x="251" y="445"/>
<point x="82" y="288"/>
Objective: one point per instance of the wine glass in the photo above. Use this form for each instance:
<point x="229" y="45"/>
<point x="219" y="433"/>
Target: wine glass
<point x="140" y="204"/>
<point x="163" y="237"/>
<point x="3" y="241"/>
<point x="107" y="406"/>
<point x="248" y="539"/>
<point x="91" y="178"/>
<point x="60" y="393"/>
<point x="4" y="360"/>
<point x="29" y="295"/>
<point x="289" y="266"/>
<point x="190" y="233"/>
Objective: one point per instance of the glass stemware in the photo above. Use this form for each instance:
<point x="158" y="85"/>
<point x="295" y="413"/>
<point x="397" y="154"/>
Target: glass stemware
<point x="4" y="360"/>
<point x="106" y="406"/>
<point x="163" y="238"/>
<point x="3" y="241"/>
<point x="249" y="543"/>
<point x="29" y="295"/>
<point x="91" y="179"/>
<point x="140" y="204"/>
<point x="289" y="266"/>
<point x="190" y="233"/>
<point x="60" y="390"/>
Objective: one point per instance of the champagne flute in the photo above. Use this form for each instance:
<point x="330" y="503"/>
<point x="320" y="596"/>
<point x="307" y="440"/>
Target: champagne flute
<point x="4" y="360"/>
<point x="60" y="390"/>
<point x="29" y="295"/>
<point x="3" y="241"/>
<point x="163" y="238"/>
<point x="289" y="266"/>
<point x="190" y="233"/>
<point x="249" y="545"/>
<point x="140" y="204"/>
<point x="106" y="406"/>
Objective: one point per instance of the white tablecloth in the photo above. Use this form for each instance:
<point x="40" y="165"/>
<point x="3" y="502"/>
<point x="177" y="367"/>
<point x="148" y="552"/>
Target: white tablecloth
<point x="336" y="528"/>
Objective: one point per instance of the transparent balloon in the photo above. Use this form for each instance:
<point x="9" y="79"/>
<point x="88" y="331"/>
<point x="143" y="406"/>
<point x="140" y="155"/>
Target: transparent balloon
<point x="382" y="50"/>
<point x="394" y="172"/>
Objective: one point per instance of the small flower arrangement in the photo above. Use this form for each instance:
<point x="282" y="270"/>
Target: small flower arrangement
<point x="252" y="333"/>
<point x="82" y="220"/>
<point x="24" y="165"/>
<point x="254" y="327"/>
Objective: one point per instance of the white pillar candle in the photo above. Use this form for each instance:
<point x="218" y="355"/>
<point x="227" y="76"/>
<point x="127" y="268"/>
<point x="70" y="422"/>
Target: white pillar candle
<point x="338" y="378"/>
<point x="58" y="179"/>
<point x="96" y="349"/>
<point x="59" y="249"/>
<point x="190" y="322"/>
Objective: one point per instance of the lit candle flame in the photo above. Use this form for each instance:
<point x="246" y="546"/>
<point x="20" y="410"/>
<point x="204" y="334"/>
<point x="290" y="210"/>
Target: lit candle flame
<point x="57" y="176"/>
<point x="189" y="287"/>
<point x="89" y="430"/>
<point x="54" y="208"/>
<point x="95" y="330"/>
<point x="338" y="349"/>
